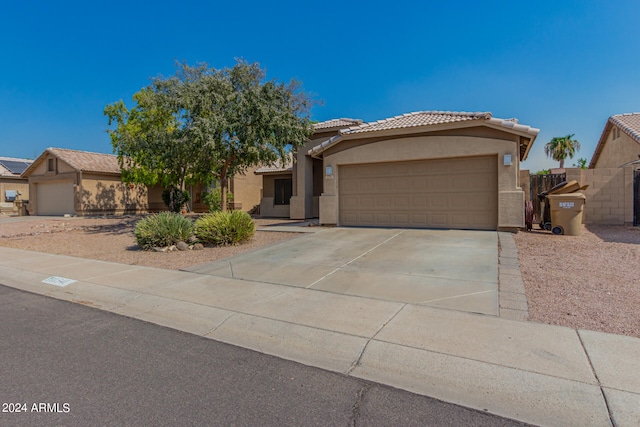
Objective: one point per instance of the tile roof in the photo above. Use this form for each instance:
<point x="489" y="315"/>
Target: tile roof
<point x="419" y="118"/>
<point x="6" y="171"/>
<point x="428" y="118"/>
<point x="84" y="161"/>
<point x="88" y="162"/>
<point x="336" y="123"/>
<point x="629" y="123"/>
<point x="277" y="167"/>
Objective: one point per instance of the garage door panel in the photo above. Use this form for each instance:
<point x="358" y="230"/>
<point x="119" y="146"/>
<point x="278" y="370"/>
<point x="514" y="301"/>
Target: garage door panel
<point x="55" y="198"/>
<point x="447" y="193"/>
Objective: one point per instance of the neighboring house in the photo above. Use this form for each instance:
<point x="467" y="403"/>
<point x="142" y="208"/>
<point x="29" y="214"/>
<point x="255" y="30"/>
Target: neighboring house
<point x="427" y="169"/>
<point x="75" y="182"/>
<point x="613" y="170"/>
<point x="619" y="143"/>
<point x="63" y="181"/>
<point x="12" y="186"/>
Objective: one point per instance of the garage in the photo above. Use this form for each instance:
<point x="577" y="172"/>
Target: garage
<point x="460" y="193"/>
<point x="55" y="198"/>
<point x="428" y="169"/>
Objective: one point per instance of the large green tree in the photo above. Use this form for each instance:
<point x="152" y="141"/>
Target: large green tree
<point x="559" y="148"/>
<point x="205" y="124"/>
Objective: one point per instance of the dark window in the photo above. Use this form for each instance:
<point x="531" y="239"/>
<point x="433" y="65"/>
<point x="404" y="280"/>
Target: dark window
<point x="51" y="165"/>
<point x="282" y="191"/>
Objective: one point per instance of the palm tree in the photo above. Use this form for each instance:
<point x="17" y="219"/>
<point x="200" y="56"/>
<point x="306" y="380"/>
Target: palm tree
<point x="561" y="147"/>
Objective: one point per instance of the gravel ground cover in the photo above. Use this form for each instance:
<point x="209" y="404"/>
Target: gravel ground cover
<point x="112" y="239"/>
<point x="591" y="281"/>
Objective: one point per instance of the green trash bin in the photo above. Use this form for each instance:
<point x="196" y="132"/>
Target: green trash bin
<point x="566" y="213"/>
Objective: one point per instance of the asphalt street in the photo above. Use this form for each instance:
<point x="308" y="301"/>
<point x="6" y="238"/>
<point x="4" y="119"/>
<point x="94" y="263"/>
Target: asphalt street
<point x="68" y="364"/>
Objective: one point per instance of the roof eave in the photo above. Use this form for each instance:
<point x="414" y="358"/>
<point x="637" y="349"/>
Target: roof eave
<point x="601" y="142"/>
<point x="35" y="163"/>
<point x="503" y="125"/>
<point x="278" y="172"/>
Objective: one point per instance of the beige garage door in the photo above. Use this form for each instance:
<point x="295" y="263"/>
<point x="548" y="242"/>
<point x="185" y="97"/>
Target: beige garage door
<point x="55" y="198"/>
<point x="449" y="193"/>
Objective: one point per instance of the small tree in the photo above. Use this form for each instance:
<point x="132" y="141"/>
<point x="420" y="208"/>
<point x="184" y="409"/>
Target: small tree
<point x="580" y="163"/>
<point x="205" y="124"/>
<point x="559" y="148"/>
<point x="243" y="119"/>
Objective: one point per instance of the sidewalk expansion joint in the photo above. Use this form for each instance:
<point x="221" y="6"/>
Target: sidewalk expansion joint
<point x="595" y="374"/>
<point x="355" y="259"/>
<point x="486" y="362"/>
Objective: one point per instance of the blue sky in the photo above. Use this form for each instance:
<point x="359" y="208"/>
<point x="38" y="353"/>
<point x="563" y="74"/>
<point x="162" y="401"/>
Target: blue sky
<point x="561" y="66"/>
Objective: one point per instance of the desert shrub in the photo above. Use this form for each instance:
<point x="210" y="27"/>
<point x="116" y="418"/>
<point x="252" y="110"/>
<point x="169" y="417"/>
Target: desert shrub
<point x="174" y="198"/>
<point x="162" y="229"/>
<point x="224" y="228"/>
<point x="213" y="199"/>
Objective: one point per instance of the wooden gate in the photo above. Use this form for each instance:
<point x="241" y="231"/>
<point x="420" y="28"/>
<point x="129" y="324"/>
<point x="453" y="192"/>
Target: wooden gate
<point x="540" y="184"/>
<point x="636" y="197"/>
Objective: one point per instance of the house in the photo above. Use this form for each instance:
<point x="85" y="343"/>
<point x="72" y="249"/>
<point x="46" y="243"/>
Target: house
<point x="12" y="186"/>
<point x="294" y="193"/>
<point x="619" y="143"/>
<point x="63" y="181"/>
<point x="430" y="169"/>
<point x="612" y="198"/>
<point x="75" y="182"/>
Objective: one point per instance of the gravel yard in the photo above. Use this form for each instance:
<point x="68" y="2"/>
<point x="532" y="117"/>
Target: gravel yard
<point x="591" y="281"/>
<point x="112" y="239"/>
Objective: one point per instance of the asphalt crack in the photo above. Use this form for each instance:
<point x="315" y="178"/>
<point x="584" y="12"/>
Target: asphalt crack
<point x="355" y="409"/>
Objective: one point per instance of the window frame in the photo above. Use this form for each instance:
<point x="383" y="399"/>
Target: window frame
<point x="280" y="186"/>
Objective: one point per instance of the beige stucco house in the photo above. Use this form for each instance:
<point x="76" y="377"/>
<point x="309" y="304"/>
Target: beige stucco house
<point x="425" y="169"/>
<point x="12" y="186"/>
<point x="613" y="170"/>
<point x="63" y="181"/>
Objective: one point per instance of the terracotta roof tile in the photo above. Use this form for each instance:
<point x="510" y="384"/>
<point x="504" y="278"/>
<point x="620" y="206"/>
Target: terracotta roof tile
<point x="629" y="124"/>
<point x="429" y="118"/>
<point x="277" y="167"/>
<point x="419" y="118"/>
<point x="336" y="123"/>
<point x="86" y="161"/>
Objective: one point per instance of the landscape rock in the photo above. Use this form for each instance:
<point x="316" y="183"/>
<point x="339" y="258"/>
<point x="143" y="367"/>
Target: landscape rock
<point x="182" y="246"/>
<point x="198" y="247"/>
<point x="171" y="248"/>
<point x="160" y="249"/>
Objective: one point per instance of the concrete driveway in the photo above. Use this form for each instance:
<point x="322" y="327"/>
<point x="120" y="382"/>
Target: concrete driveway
<point x="451" y="269"/>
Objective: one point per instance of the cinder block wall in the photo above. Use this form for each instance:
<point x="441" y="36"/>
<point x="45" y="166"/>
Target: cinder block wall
<point x="609" y="196"/>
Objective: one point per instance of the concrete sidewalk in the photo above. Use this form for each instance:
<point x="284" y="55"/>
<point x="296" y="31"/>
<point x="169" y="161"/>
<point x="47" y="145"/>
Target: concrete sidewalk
<point x="541" y="374"/>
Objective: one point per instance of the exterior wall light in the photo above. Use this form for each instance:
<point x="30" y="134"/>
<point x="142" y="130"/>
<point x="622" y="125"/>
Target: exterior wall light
<point x="507" y="159"/>
<point x="328" y="172"/>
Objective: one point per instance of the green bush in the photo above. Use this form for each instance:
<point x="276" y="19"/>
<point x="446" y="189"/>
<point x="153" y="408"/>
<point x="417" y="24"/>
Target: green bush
<point x="174" y="198"/>
<point x="162" y="229"/>
<point x="213" y="199"/>
<point x="224" y="228"/>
